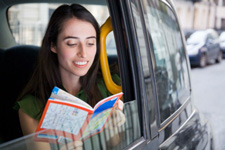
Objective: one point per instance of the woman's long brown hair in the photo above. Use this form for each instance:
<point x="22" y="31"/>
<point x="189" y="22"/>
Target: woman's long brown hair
<point x="46" y="74"/>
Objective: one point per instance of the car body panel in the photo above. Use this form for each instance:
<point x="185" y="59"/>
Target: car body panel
<point x="187" y="137"/>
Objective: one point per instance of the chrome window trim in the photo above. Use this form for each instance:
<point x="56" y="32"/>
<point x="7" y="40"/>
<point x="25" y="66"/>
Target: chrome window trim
<point x="189" y="118"/>
<point x="172" y="117"/>
<point x="137" y="144"/>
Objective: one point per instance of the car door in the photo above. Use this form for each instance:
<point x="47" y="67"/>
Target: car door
<point x="165" y="79"/>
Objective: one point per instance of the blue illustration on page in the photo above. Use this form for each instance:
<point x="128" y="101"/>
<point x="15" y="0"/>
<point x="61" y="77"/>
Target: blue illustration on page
<point x="106" y="105"/>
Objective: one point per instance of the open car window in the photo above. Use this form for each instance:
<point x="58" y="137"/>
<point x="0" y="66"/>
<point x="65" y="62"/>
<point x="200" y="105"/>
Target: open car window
<point x="28" y="24"/>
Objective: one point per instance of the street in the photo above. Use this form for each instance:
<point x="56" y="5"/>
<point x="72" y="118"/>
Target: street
<point x="209" y="97"/>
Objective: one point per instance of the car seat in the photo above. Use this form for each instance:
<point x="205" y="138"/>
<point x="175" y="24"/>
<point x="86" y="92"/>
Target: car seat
<point x="17" y="64"/>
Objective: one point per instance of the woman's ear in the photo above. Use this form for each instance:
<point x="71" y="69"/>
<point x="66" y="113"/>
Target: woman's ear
<point x="53" y="48"/>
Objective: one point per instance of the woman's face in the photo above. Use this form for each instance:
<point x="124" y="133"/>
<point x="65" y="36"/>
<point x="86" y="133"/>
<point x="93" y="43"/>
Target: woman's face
<point x="76" y="47"/>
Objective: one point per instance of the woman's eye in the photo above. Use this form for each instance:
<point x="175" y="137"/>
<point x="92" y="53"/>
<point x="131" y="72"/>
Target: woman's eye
<point x="71" y="44"/>
<point x="90" y="44"/>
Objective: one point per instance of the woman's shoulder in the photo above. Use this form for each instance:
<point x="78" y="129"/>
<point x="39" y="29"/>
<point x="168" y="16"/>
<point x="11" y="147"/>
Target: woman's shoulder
<point x="30" y="105"/>
<point x="24" y="101"/>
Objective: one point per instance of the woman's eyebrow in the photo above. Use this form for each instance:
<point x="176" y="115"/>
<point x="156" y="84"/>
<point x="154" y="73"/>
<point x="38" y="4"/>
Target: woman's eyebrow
<point x="74" y="37"/>
<point x="91" y="37"/>
<point x="70" y="37"/>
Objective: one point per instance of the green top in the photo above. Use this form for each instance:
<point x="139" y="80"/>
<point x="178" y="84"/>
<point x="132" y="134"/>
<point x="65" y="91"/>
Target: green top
<point x="32" y="107"/>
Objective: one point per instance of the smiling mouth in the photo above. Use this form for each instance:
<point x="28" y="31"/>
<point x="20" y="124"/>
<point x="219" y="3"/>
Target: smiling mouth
<point x="80" y="63"/>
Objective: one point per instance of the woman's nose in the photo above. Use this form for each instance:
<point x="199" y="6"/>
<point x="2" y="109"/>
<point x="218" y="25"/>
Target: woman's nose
<point x="82" y="51"/>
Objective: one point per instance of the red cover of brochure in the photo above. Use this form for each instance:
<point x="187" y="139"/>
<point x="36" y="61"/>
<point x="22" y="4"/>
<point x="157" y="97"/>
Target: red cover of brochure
<point x="67" y="118"/>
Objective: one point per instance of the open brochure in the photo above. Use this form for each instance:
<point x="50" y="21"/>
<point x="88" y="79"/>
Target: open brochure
<point x="67" y="118"/>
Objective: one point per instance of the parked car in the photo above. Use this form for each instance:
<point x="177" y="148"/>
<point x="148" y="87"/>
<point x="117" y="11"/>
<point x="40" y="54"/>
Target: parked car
<point x="222" y="43"/>
<point x="187" y="33"/>
<point x="203" y="46"/>
<point x="153" y="66"/>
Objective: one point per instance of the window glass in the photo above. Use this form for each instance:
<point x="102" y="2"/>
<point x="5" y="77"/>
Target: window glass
<point x="115" y="138"/>
<point x="110" y="44"/>
<point x="112" y="56"/>
<point x="131" y="130"/>
<point x="169" y="60"/>
<point x="28" y="22"/>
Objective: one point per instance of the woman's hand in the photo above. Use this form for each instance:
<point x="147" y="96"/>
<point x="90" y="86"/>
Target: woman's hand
<point x="76" y="145"/>
<point x="117" y="118"/>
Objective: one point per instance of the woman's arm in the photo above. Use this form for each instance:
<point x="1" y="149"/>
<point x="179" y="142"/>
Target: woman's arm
<point x="29" y="126"/>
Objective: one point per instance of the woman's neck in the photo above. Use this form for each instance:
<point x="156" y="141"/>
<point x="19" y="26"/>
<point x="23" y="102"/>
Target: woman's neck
<point x="71" y="84"/>
<point x="72" y="89"/>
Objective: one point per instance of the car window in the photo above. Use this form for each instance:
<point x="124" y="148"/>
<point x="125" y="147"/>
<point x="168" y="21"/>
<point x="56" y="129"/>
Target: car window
<point x="110" y="44"/>
<point x="28" y="22"/>
<point x="169" y="61"/>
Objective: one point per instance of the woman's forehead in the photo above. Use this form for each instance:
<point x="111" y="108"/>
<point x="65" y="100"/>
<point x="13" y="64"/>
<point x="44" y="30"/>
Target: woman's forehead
<point x="77" y="28"/>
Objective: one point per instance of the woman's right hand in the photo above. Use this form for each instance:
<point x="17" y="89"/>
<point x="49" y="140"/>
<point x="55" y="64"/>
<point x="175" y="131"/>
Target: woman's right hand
<point x="117" y="118"/>
<point x="76" y="145"/>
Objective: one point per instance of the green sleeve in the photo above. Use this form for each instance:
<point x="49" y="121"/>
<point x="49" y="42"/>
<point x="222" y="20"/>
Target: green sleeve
<point x="31" y="106"/>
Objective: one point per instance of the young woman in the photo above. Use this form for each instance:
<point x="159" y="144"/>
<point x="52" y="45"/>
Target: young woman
<point x="69" y="59"/>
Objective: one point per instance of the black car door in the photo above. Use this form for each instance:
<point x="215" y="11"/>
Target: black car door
<point x="165" y="73"/>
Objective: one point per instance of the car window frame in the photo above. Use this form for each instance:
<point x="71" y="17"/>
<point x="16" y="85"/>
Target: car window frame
<point x="118" y="16"/>
<point x="153" y="122"/>
<point x="187" y="101"/>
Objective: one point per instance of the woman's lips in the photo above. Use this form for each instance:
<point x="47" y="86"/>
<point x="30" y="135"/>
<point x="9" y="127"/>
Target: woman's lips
<point x="80" y="64"/>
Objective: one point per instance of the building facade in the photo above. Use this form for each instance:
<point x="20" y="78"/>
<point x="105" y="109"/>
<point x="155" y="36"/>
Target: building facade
<point x="201" y="15"/>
